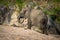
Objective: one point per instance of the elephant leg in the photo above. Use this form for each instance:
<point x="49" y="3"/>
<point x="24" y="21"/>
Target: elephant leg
<point x="29" y="24"/>
<point x="44" y="28"/>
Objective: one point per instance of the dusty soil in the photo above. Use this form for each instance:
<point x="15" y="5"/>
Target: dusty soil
<point x="16" y="33"/>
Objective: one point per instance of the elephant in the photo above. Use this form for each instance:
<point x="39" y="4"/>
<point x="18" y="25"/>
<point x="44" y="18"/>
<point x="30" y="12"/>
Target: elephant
<point x="36" y="17"/>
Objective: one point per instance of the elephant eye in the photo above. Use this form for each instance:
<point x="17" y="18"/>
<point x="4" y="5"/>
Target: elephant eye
<point x="21" y="16"/>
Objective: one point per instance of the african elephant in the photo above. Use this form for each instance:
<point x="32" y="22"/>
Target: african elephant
<point x="36" y="17"/>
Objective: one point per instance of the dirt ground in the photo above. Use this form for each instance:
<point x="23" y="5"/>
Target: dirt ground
<point x="16" y="33"/>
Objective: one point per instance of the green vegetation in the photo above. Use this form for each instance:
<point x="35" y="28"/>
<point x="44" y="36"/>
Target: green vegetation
<point x="21" y="3"/>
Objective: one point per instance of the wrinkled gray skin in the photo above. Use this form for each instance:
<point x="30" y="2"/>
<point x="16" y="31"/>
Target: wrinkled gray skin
<point x="39" y="19"/>
<point x="35" y="18"/>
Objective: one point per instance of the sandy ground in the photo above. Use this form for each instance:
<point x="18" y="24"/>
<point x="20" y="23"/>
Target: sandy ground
<point x="16" y="33"/>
